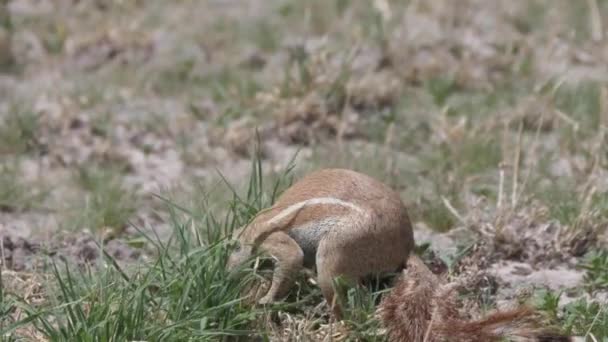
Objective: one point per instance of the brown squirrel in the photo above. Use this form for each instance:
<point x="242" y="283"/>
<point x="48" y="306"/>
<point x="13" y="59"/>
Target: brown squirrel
<point x="348" y="224"/>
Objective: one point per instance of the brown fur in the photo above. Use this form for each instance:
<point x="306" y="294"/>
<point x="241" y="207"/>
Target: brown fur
<point x="411" y="297"/>
<point x="422" y="309"/>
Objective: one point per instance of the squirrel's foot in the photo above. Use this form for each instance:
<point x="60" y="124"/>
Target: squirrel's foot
<point x="267" y="299"/>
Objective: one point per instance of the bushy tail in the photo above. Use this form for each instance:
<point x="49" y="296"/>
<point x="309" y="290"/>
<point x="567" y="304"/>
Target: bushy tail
<point x="422" y="309"/>
<point x="520" y="324"/>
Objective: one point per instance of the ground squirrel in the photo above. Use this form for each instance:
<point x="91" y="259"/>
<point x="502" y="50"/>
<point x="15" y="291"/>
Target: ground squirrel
<point x="341" y="222"/>
<point x="344" y="223"/>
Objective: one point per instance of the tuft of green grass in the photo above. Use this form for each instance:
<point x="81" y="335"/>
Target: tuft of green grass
<point x="6" y="56"/>
<point x="101" y="124"/>
<point x="19" y="131"/>
<point x="562" y="201"/>
<point x="477" y="104"/>
<point x="586" y="318"/>
<point x="171" y="81"/>
<point x="15" y="193"/>
<point x="599" y="203"/>
<point x="108" y="202"/>
<point x="257" y="195"/>
<point x="54" y="37"/>
<point x="477" y="154"/>
<point x="548" y="302"/>
<point x="440" y="89"/>
<point x="235" y="89"/>
<point x="7" y="306"/>
<point x="184" y="293"/>
<point x="579" y="318"/>
<point x="533" y="17"/>
<point x="582" y="102"/>
<point x="435" y="214"/>
<point x="359" y="305"/>
<point x="595" y="263"/>
<point x="265" y="35"/>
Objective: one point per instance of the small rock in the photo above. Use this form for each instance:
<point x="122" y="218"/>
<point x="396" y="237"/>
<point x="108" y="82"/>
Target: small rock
<point x="254" y="60"/>
<point x="439" y="242"/>
<point x="518" y="273"/>
<point x="240" y="137"/>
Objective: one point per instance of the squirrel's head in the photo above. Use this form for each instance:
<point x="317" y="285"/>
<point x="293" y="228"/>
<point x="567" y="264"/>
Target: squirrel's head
<point x="241" y="250"/>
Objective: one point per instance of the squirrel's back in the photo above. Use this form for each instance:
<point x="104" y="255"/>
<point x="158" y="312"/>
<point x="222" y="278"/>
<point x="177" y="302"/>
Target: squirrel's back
<point x="343" y="185"/>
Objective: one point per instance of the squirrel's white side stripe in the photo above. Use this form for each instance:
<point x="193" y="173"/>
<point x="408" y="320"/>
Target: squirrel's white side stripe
<point x="313" y="201"/>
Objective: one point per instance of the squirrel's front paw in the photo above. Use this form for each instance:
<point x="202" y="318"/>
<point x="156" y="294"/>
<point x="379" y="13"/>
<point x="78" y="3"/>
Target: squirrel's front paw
<point x="267" y="299"/>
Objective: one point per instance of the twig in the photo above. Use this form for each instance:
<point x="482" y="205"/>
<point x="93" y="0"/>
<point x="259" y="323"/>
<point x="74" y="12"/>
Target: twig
<point x="501" y="185"/>
<point x="601" y="135"/>
<point x="587" y="201"/>
<point x="452" y="210"/>
<point x="604" y="107"/>
<point x="384" y="9"/>
<point x="412" y="7"/>
<point x="390" y="133"/>
<point x="595" y="320"/>
<point x="516" y="161"/>
<point x="2" y="256"/>
<point x="347" y="98"/>
<point x="429" y="329"/>
<point x="342" y="124"/>
<point x="575" y="125"/>
<point x="533" y="149"/>
<point x="595" y="22"/>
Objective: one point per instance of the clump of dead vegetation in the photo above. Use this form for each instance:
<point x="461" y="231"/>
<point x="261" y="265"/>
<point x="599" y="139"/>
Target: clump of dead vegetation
<point x="321" y="97"/>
